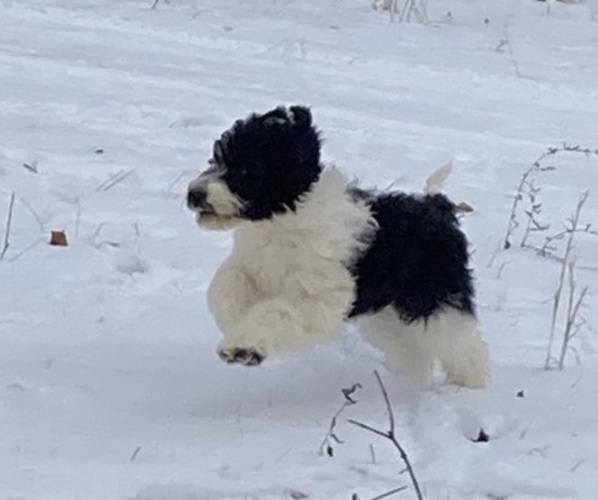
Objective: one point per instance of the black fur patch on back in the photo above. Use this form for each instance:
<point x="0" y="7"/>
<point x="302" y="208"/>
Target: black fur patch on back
<point x="417" y="261"/>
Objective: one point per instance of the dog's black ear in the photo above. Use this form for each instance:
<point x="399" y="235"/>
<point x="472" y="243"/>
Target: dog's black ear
<point x="301" y="115"/>
<point x="218" y="152"/>
<point x="275" y="117"/>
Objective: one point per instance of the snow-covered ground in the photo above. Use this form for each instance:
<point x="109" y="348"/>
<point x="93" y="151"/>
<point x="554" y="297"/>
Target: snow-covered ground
<point x="109" y="383"/>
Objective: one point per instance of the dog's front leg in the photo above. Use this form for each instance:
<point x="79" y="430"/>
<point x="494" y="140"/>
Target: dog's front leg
<point x="231" y="294"/>
<point x="282" y="326"/>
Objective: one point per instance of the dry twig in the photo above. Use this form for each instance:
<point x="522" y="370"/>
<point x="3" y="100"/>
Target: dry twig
<point x="564" y="268"/>
<point x="526" y="186"/>
<point x="408" y="11"/>
<point x="32" y="167"/>
<point x="506" y="42"/>
<point x="331" y="437"/>
<point x="134" y="454"/>
<point x="6" y="244"/>
<point x="115" y="179"/>
<point x="523" y="182"/>
<point x="548" y="246"/>
<point x="532" y="213"/>
<point x="572" y="324"/>
<point x="390" y="434"/>
<point x="35" y="215"/>
<point x="383" y="495"/>
<point x="26" y="249"/>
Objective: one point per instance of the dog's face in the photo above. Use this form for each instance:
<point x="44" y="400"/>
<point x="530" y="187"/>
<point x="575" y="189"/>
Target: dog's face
<point x="261" y="166"/>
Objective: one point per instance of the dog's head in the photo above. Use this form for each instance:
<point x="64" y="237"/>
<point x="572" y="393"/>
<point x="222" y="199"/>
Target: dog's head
<point x="259" y="167"/>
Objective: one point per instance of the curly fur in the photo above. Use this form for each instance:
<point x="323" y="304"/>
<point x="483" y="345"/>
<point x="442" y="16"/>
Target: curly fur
<point x="311" y="251"/>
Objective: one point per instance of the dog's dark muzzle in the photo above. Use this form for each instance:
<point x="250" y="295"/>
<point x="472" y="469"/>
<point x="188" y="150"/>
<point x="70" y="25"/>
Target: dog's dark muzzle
<point x="197" y="200"/>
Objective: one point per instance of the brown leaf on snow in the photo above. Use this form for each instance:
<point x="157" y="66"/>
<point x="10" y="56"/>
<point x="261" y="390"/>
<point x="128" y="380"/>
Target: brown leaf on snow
<point x="58" y="238"/>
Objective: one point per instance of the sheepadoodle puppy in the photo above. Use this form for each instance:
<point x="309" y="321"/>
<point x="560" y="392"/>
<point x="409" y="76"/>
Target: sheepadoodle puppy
<point x="312" y="250"/>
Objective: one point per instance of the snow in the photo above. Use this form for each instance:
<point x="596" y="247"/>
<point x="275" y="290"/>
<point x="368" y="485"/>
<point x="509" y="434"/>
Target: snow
<point x="109" y="383"/>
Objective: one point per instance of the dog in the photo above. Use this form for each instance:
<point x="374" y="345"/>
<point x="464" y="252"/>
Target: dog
<point x="312" y="251"/>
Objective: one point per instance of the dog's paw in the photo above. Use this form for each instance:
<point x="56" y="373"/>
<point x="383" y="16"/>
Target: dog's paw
<point x="247" y="356"/>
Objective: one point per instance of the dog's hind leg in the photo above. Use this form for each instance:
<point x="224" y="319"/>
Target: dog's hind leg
<point x="459" y="347"/>
<point x="411" y="349"/>
<point x="402" y="345"/>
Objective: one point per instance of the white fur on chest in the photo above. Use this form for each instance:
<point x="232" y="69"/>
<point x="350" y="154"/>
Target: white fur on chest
<point x="305" y="251"/>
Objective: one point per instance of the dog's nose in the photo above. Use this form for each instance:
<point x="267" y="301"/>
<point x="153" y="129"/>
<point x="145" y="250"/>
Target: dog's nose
<point x="196" y="198"/>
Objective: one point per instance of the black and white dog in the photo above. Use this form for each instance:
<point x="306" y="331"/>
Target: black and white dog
<point x="312" y="250"/>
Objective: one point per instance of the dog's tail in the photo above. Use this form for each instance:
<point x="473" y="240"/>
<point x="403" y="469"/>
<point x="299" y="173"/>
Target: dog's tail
<point x="435" y="182"/>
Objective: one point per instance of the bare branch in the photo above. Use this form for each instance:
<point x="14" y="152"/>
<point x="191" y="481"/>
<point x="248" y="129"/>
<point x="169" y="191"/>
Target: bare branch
<point x="390" y="435"/>
<point x="115" y="179"/>
<point x="134" y="454"/>
<point x="369" y="428"/>
<point x="6" y="244"/>
<point x="326" y="445"/>
<point x="32" y="167"/>
<point x="407" y="12"/>
<point x="391" y="416"/>
<point x="390" y="492"/>
<point x="372" y="453"/>
<point x="548" y="243"/>
<point x="564" y="268"/>
<point x="526" y="183"/>
<point x="26" y="249"/>
<point x="168" y="190"/>
<point x="511" y="52"/>
<point x="572" y="324"/>
<point x="519" y="195"/>
<point x="35" y="215"/>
